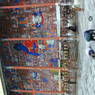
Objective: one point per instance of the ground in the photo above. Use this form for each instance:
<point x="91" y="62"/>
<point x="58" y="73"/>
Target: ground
<point x="86" y="72"/>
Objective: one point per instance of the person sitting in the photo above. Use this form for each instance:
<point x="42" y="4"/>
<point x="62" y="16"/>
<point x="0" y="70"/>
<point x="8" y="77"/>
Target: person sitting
<point x="89" y="35"/>
<point x="90" y="52"/>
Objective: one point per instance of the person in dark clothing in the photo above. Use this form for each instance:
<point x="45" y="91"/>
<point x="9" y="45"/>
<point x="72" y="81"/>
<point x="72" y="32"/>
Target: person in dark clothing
<point x="73" y="28"/>
<point x="89" y="35"/>
<point x="91" y="52"/>
<point x="70" y="82"/>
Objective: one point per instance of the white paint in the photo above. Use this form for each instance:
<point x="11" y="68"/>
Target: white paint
<point x="1" y="88"/>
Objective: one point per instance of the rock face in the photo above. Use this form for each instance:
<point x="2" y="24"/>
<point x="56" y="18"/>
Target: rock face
<point x="86" y="80"/>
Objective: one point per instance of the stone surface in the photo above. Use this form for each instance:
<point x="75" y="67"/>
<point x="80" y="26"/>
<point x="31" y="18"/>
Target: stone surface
<point x="86" y="78"/>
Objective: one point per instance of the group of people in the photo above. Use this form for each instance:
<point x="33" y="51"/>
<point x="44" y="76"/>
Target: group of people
<point x="89" y="35"/>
